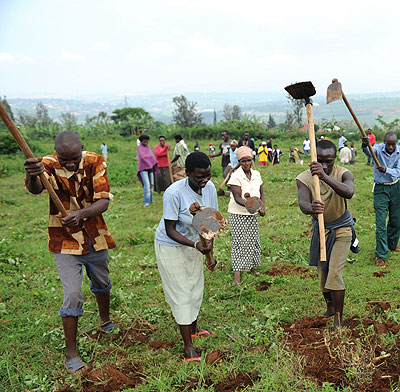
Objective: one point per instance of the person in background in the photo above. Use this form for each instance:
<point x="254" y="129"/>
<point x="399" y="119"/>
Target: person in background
<point x="342" y="141"/>
<point x="246" y="247"/>
<point x="276" y="153"/>
<point x="263" y="154"/>
<point x="211" y="150"/>
<point x="104" y="152"/>
<point x="294" y="156"/>
<point x="306" y="146"/>
<point x="337" y="186"/>
<point x="196" y="146"/>
<point x="224" y="148"/>
<point x="345" y="155"/>
<point x="178" y="161"/>
<point x="246" y="141"/>
<point x="353" y="154"/>
<point x="163" y="178"/>
<point x="232" y="154"/>
<point x="79" y="179"/>
<point x="386" y="197"/>
<point x="179" y="252"/>
<point x="147" y="168"/>
<point x="364" y="146"/>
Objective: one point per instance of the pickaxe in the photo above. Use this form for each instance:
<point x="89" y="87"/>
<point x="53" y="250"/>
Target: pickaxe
<point x="335" y="93"/>
<point x="305" y="90"/>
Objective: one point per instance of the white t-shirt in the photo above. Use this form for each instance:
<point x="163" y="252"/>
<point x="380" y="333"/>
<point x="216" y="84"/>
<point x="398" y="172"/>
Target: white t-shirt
<point x="252" y="186"/>
<point x="306" y="144"/>
<point x="176" y="202"/>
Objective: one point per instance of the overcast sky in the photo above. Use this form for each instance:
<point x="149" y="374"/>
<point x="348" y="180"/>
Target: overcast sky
<point x="67" y="48"/>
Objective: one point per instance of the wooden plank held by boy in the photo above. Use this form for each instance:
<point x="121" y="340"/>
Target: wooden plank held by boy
<point x="305" y="90"/>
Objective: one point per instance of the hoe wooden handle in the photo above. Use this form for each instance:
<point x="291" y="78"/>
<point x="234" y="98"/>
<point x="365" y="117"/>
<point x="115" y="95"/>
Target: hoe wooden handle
<point x="28" y="153"/>
<point x="209" y="260"/>
<point x="361" y="129"/>
<point x="311" y="136"/>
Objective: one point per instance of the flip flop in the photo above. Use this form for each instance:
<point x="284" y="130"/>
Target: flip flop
<point x="195" y="359"/>
<point x="74" y="364"/>
<point x="107" y="326"/>
<point x="203" y="333"/>
<point x="380" y="262"/>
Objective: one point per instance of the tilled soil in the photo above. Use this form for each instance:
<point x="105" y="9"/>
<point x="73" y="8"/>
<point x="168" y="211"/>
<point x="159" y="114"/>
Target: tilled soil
<point x="291" y="269"/>
<point x="352" y="357"/>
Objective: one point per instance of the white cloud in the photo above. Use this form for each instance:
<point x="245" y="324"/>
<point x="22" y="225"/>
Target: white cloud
<point x="162" y="49"/>
<point x="103" y="46"/>
<point x="73" y="56"/>
<point x="8" y="58"/>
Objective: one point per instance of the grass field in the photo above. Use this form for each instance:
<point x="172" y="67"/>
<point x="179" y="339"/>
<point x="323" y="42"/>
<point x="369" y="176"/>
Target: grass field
<point x="252" y="349"/>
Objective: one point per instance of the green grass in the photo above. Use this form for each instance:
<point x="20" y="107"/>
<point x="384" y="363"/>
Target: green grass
<point x="31" y="337"/>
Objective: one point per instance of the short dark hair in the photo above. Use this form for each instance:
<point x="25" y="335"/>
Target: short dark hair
<point x="225" y="131"/>
<point x="162" y="136"/>
<point x="144" y="137"/>
<point x="178" y="137"/>
<point x="198" y="160"/>
<point x="389" y="134"/>
<point x="326" y="145"/>
<point x="66" y="139"/>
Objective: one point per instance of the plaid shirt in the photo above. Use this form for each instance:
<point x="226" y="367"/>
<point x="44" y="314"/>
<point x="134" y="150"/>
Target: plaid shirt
<point x="78" y="190"/>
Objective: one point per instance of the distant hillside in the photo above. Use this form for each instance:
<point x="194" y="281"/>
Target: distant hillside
<point x="366" y="106"/>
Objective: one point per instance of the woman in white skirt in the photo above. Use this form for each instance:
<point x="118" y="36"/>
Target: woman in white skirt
<point x="179" y="251"/>
<point x="246" y="248"/>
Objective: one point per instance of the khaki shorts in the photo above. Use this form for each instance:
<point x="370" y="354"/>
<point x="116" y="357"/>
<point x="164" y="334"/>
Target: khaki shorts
<point x="333" y="280"/>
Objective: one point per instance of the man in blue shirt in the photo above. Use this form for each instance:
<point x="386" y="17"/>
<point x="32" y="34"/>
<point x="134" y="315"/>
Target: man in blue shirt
<point x="386" y="197"/>
<point x="342" y="140"/>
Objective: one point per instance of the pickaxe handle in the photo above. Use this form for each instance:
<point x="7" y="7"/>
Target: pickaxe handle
<point x="321" y="225"/>
<point x="361" y="129"/>
<point x="226" y="179"/>
<point x="23" y="145"/>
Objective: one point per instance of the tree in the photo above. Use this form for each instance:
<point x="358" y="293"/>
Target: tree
<point x="215" y="117"/>
<point x="227" y="112"/>
<point x="289" y="120"/>
<point x="42" y="115"/>
<point x="297" y="109"/>
<point x="236" y="112"/>
<point x="388" y="125"/>
<point x="7" y="107"/>
<point x="271" y="122"/>
<point x="68" y="120"/>
<point x="186" y="113"/>
<point x="132" y="121"/>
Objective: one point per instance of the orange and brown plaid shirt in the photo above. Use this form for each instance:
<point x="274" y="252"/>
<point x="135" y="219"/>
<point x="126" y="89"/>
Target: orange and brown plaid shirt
<point x="78" y="190"/>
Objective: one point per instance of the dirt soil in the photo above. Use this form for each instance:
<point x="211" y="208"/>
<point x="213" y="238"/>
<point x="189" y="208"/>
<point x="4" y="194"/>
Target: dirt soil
<point x="263" y="286"/>
<point x="291" y="269"/>
<point x="356" y="351"/>
<point x="380" y="274"/>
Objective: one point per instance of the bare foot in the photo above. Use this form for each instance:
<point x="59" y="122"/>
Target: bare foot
<point x="190" y="352"/>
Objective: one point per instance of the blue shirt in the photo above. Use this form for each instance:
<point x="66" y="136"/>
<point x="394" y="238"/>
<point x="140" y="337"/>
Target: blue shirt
<point x="176" y="202"/>
<point x="342" y="140"/>
<point x="390" y="161"/>
<point x="103" y="148"/>
<point x="233" y="157"/>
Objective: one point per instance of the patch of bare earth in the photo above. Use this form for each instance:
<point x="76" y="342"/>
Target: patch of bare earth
<point x="291" y="269"/>
<point x="353" y="357"/>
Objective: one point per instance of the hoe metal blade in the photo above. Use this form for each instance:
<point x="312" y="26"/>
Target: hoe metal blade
<point x="334" y="92"/>
<point x="302" y="90"/>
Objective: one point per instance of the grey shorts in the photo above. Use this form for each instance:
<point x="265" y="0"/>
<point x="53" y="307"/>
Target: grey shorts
<point x="71" y="275"/>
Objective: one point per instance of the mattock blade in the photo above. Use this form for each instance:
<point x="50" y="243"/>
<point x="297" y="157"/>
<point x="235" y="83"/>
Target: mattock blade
<point x="334" y="91"/>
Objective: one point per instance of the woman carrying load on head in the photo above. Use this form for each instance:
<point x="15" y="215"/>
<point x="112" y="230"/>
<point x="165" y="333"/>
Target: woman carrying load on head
<point x="179" y="251"/>
<point x="246" y="247"/>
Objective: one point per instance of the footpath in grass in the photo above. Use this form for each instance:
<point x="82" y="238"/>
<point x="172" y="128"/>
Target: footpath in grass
<point x="269" y="334"/>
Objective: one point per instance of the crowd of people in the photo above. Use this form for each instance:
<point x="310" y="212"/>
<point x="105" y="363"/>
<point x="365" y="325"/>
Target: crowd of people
<point x="81" y="238"/>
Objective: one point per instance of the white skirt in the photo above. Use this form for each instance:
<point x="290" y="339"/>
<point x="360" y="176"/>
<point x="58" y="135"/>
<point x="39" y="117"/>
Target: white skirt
<point x="181" y="270"/>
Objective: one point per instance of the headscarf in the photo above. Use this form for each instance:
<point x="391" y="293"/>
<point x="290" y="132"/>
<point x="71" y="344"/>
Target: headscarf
<point x="243" y="152"/>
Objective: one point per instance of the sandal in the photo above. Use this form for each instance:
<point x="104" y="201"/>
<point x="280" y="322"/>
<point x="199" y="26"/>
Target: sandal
<point x="74" y="364"/>
<point x="195" y="359"/>
<point x="203" y="333"/>
<point x="108" y="326"/>
<point x="254" y="272"/>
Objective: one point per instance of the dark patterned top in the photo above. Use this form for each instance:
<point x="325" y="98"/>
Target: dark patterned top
<point x="78" y="190"/>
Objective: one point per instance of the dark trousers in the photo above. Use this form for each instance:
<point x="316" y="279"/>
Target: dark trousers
<point x="387" y="200"/>
<point x="367" y="153"/>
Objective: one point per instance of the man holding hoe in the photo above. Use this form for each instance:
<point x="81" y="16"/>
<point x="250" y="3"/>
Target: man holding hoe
<point x="386" y="196"/>
<point x="336" y="184"/>
<point x="81" y="238"/>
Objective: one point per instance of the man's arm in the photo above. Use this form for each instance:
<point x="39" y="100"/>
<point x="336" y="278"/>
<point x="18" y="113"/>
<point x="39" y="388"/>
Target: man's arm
<point x="76" y="216"/>
<point x="308" y="206"/>
<point x="344" y="189"/>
